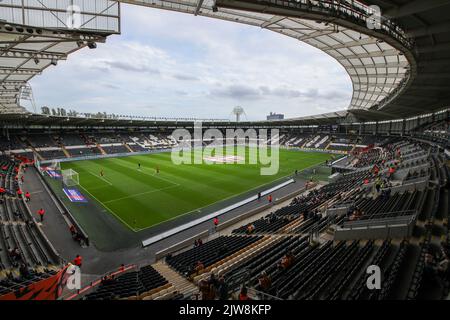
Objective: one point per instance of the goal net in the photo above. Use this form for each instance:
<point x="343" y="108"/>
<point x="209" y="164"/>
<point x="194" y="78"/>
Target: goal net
<point x="70" y="178"/>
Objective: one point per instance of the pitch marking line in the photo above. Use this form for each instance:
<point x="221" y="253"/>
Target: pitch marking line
<point x="100" y="177"/>
<point x="109" y="209"/>
<point x="225" y="199"/>
<point x="154" y="175"/>
<point x="141" y="194"/>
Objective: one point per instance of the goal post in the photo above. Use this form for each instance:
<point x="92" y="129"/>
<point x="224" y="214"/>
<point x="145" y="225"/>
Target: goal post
<point x="70" y="178"/>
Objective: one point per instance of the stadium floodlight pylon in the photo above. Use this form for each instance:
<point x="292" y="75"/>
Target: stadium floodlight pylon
<point x="70" y="178"/>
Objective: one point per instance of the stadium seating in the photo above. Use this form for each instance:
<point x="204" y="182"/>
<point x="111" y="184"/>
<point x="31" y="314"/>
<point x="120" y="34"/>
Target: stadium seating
<point x="209" y="253"/>
<point x="22" y="245"/>
<point x="318" y="268"/>
<point x="144" y="282"/>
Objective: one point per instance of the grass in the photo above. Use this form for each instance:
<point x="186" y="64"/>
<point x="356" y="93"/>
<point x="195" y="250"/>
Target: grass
<point x="141" y="198"/>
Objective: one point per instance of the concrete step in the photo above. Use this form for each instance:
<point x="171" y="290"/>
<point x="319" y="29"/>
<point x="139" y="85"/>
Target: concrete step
<point x="180" y="284"/>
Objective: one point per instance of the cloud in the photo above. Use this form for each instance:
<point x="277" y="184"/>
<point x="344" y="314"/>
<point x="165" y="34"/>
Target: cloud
<point x="185" y="77"/>
<point x="172" y="64"/>
<point x="237" y="92"/>
<point x="126" y="66"/>
<point x="243" y="92"/>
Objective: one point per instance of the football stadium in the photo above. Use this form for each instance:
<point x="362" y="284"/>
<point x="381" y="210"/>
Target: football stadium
<point x="349" y="204"/>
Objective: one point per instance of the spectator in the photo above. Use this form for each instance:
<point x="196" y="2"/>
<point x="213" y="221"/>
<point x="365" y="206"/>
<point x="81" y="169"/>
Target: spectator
<point x="199" y="267"/>
<point x="223" y="289"/>
<point x="250" y="228"/>
<point x="14" y="254"/>
<point x="27" y="196"/>
<point x="264" y="282"/>
<point x="41" y="213"/>
<point x="243" y="296"/>
<point x="378" y="185"/>
<point x="207" y="291"/>
<point x="213" y="281"/>
<point x="24" y="271"/>
<point x="286" y="261"/>
<point x="216" y="222"/>
<point x="73" y="230"/>
<point x="78" y="261"/>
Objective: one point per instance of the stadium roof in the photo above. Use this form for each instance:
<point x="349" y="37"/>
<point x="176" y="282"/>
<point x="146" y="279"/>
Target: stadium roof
<point x="36" y="36"/>
<point x="380" y="62"/>
<point x="391" y="76"/>
<point x="428" y="23"/>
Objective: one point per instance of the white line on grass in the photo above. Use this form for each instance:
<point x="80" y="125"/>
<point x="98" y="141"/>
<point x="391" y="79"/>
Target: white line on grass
<point x="154" y="175"/>
<point x="225" y="199"/>
<point x="141" y="194"/>
<point x="109" y="209"/>
<point x="100" y="177"/>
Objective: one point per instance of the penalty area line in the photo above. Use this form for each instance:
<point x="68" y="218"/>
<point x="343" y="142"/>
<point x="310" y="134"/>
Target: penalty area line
<point x="141" y="194"/>
<point x="102" y="178"/>
<point x="109" y="209"/>
<point x="156" y="175"/>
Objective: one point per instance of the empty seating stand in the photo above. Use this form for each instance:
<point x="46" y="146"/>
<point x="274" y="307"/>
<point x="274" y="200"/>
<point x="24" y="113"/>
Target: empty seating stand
<point x="209" y="253"/>
<point x="23" y="247"/>
<point x="132" y="284"/>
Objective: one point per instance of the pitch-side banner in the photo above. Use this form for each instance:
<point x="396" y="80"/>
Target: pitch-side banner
<point x="47" y="289"/>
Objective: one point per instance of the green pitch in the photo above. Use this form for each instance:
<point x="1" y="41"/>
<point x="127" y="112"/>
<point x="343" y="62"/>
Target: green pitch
<point x="143" y="198"/>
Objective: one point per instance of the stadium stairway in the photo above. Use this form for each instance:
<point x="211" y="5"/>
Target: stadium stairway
<point x="179" y="284"/>
<point x="234" y="260"/>
<point x="66" y="153"/>
<point x="41" y="158"/>
<point x="128" y="147"/>
<point x="99" y="147"/>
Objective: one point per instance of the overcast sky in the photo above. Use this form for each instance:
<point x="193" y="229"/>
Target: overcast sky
<point x="177" y="65"/>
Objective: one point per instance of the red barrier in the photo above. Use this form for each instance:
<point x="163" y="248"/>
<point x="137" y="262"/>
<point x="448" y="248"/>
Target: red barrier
<point x="47" y="289"/>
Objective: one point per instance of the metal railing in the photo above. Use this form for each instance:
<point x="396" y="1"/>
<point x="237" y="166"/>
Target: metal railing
<point x="383" y="219"/>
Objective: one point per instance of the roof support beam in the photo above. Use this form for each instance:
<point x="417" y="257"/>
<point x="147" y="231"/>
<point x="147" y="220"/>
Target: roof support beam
<point x="350" y="44"/>
<point x="386" y="53"/>
<point x="22" y="53"/>
<point x="199" y="6"/>
<point x="273" y="20"/>
<point x="316" y="34"/>
<point x="378" y="76"/>
<point x="20" y="71"/>
<point x="382" y="65"/>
